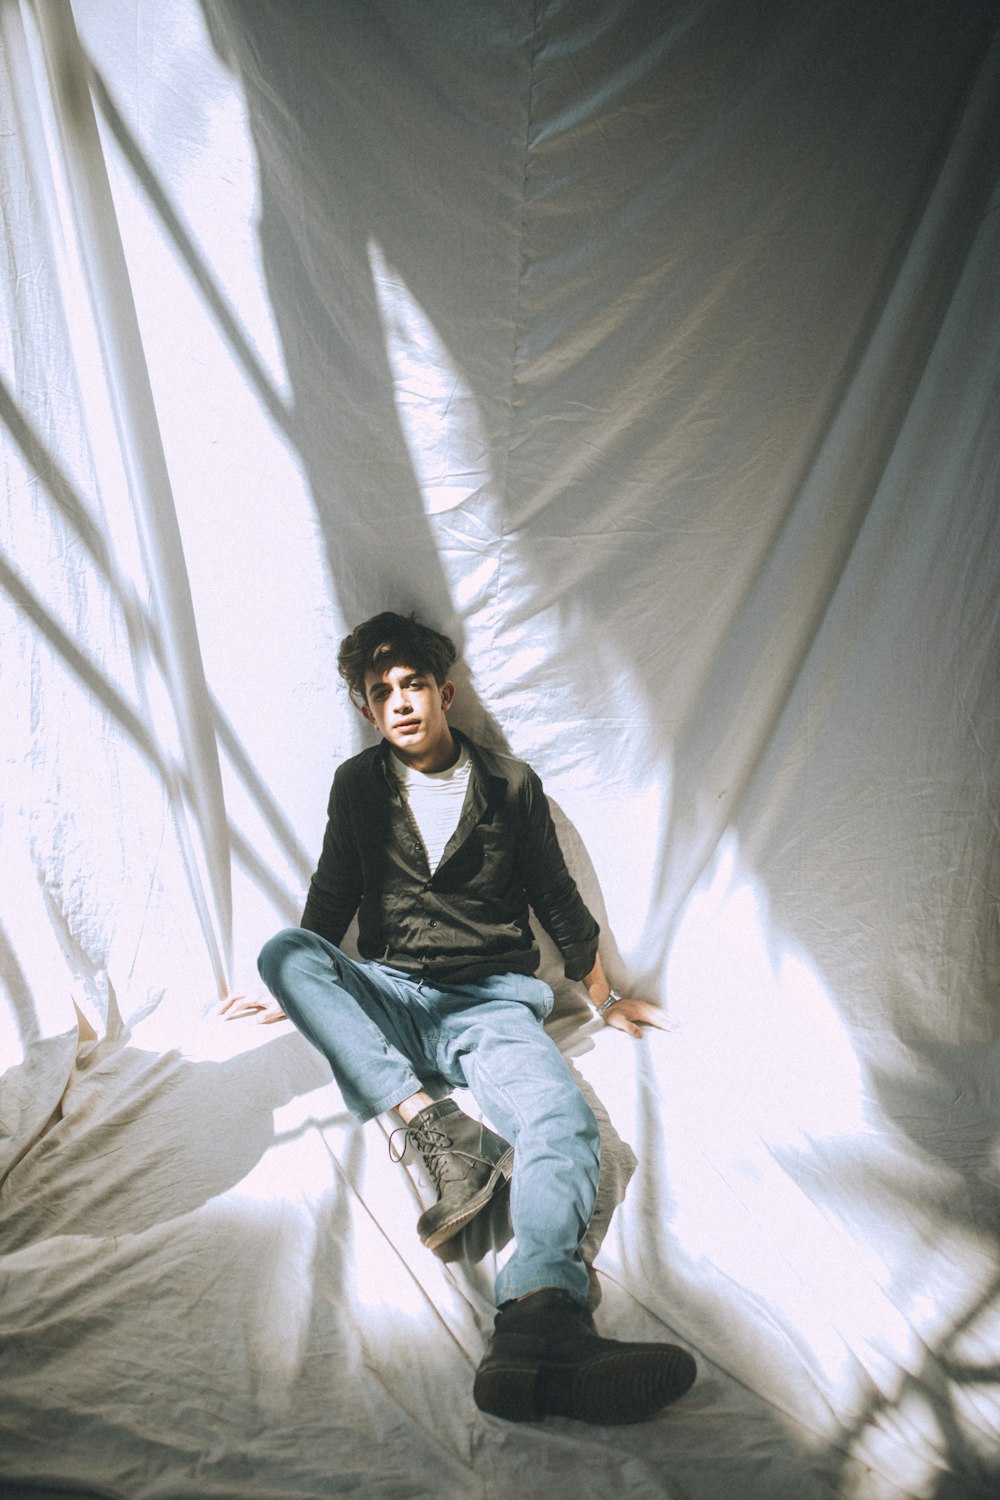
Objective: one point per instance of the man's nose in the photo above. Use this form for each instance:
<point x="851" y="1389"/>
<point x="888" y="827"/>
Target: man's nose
<point x="400" y="701"/>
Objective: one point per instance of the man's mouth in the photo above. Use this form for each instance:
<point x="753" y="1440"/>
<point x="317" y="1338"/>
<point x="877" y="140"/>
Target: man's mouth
<point x="408" y="724"/>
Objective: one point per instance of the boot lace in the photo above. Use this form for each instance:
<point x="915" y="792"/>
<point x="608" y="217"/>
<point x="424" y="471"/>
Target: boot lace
<point x="434" y="1146"/>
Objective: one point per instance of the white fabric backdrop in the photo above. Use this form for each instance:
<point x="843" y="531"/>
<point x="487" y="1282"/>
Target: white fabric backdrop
<point x="652" y="351"/>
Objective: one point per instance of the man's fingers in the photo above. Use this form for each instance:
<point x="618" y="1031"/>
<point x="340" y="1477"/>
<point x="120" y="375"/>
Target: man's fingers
<point x="652" y="1015"/>
<point x="621" y="1023"/>
<point x="238" y="1007"/>
<point x="632" y="1015"/>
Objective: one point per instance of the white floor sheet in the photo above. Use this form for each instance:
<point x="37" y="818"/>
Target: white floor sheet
<point x="653" y="351"/>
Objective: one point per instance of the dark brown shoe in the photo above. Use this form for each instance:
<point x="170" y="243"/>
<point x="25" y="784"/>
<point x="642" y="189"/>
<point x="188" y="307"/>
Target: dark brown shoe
<point x="545" y="1359"/>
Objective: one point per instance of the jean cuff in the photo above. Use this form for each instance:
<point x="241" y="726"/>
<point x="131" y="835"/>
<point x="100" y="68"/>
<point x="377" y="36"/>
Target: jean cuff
<point x="389" y="1101"/>
<point x="572" y="1279"/>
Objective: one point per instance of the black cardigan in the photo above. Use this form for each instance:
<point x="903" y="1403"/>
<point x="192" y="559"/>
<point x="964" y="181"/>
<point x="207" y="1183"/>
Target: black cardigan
<point x="470" y="917"/>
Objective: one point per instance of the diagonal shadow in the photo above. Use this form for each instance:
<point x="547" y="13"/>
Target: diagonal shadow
<point x="226" y="319"/>
<point x="143" y="637"/>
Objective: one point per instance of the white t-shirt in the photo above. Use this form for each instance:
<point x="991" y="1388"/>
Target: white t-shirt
<point x="435" y="799"/>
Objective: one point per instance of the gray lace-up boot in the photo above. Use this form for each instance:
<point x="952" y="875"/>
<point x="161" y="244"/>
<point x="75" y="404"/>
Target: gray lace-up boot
<point x="546" y="1359"/>
<point x="466" y="1162"/>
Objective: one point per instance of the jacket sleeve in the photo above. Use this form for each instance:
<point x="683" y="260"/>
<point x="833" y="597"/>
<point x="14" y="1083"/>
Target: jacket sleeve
<point x="336" y="887"/>
<point x="551" y="889"/>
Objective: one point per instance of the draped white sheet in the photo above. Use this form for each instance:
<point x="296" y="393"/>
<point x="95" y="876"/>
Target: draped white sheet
<point x="653" y="351"/>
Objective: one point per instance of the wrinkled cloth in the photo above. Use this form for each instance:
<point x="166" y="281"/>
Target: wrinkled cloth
<point x="652" y="353"/>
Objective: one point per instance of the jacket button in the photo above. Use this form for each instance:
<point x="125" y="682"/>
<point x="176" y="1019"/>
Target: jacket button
<point x="432" y="924"/>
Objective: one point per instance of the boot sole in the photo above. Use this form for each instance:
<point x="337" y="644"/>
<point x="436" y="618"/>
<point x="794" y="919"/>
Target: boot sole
<point x="631" y="1385"/>
<point x="451" y="1226"/>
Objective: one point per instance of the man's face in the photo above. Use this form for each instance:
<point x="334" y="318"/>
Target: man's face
<point x="410" y="709"/>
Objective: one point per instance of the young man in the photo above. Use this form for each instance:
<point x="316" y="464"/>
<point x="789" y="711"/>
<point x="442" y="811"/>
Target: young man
<point x="439" y="846"/>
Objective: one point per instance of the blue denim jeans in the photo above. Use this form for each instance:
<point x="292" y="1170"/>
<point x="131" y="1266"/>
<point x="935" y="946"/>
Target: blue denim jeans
<point x="388" y="1035"/>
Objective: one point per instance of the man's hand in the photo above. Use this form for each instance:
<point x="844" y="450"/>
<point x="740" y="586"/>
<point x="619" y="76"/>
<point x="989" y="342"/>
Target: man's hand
<point x="260" y="1003"/>
<point x="624" y="1015"/>
<point x="632" y="1015"/>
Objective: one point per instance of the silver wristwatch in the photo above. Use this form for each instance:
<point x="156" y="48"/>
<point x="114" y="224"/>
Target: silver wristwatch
<point x="613" y="998"/>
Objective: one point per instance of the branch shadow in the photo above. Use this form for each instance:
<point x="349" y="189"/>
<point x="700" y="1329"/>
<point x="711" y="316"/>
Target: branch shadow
<point x="144" y="644"/>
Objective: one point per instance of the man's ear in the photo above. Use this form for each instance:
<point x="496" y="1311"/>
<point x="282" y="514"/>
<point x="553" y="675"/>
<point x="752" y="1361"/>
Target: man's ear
<point x="447" y="694"/>
<point x="368" y="714"/>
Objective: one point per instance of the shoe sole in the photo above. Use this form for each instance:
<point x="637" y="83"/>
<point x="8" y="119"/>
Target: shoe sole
<point x="450" y="1227"/>
<point x="631" y="1385"/>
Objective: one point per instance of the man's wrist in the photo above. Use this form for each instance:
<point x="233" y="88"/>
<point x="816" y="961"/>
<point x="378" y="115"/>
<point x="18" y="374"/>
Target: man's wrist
<point x="613" y="998"/>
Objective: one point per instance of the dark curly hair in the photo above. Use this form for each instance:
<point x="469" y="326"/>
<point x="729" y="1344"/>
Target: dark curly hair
<point x="391" y="640"/>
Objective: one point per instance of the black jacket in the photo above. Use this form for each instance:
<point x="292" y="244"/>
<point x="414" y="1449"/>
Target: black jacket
<point x="470" y="918"/>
